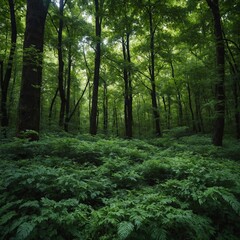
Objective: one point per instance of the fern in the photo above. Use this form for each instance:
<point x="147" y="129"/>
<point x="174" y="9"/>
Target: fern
<point x="24" y="230"/>
<point x="111" y="189"/>
<point x="159" y="234"/>
<point x="6" y="217"/>
<point x="125" y="229"/>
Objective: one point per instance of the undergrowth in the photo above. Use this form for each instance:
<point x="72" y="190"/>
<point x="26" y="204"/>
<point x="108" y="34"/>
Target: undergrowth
<point x="174" y="188"/>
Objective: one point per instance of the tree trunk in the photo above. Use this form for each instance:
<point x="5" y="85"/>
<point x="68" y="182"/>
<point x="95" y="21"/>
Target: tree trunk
<point x="180" y="108"/>
<point x="236" y="105"/>
<point x="66" y="123"/>
<point x="29" y="102"/>
<point x="218" y="130"/>
<point x="105" y="108"/>
<point x="51" y="107"/>
<point x="94" y="109"/>
<point x="190" y="107"/>
<point x="169" y="112"/>
<point x="155" y="109"/>
<point x="127" y="86"/>
<point x="115" y="119"/>
<point x="235" y="73"/>
<point x="5" y="82"/>
<point x="61" y="66"/>
<point x="197" y="108"/>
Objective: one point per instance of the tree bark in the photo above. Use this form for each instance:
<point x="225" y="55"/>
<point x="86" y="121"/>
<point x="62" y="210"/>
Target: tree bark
<point x="66" y="122"/>
<point x="218" y="130"/>
<point x="190" y="107"/>
<point x="156" y="114"/>
<point x="198" y="114"/>
<point x="127" y="86"/>
<point x="94" y="108"/>
<point x="115" y="119"/>
<point x="51" y="107"/>
<point x="235" y="73"/>
<point x="29" y="102"/>
<point x="5" y="82"/>
<point x="61" y="66"/>
<point x="180" y="108"/>
<point x="105" y="107"/>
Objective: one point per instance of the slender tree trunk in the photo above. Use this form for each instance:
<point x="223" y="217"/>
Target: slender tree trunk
<point x="155" y="109"/>
<point x="138" y="118"/>
<point x="51" y="107"/>
<point x="61" y="66"/>
<point x="197" y="115"/>
<point x="5" y="82"/>
<point x="130" y="98"/>
<point x="115" y="119"/>
<point x="218" y="130"/>
<point x="235" y="73"/>
<point x="190" y="107"/>
<point x="165" y="109"/>
<point x="180" y="108"/>
<point x="76" y="104"/>
<point x="105" y="108"/>
<point x="29" y="102"/>
<point x="94" y="109"/>
<point x="127" y="87"/>
<point x="236" y="106"/>
<point x="66" y="122"/>
<point x="169" y="112"/>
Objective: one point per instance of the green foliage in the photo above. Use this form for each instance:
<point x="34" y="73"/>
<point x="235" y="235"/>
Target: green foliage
<point x="93" y="188"/>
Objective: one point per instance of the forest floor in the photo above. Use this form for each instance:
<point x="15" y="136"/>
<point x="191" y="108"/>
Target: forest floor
<point x="90" y="188"/>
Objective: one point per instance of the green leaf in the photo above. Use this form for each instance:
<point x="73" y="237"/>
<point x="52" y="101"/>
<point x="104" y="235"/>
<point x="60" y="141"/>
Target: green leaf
<point x="159" y="234"/>
<point x="125" y="229"/>
<point x="24" y="230"/>
<point x="31" y="204"/>
<point x="6" y="217"/>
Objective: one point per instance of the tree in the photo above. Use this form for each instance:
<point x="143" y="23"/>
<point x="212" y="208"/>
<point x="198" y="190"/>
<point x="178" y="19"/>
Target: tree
<point x="6" y="80"/>
<point x="127" y="86"/>
<point x="219" y="85"/>
<point x="61" y="65"/>
<point x="152" y="22"/>
<point x="98" y="30"/>
<point x="29" y="102"/>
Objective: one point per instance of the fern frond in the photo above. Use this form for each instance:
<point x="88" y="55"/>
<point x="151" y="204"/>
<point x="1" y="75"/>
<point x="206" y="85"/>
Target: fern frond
<point x="125" y="229"/>
<point x="24" y="230"/>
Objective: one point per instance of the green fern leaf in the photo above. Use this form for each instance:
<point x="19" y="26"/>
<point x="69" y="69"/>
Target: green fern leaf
<point x="232" y="201"/>
<point x="24" y="230"/>
<point x="159" y="234"/>
<point x="125" y="229"/>
<point x="30" y="204"/>
<point x="6" y="217"/>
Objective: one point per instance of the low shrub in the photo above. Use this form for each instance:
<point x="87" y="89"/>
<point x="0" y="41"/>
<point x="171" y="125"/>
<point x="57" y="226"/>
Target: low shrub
<point x="72" y="188"/>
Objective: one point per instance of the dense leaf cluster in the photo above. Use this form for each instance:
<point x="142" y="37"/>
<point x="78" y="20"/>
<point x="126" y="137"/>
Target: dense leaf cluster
<point x="92" y="188"/>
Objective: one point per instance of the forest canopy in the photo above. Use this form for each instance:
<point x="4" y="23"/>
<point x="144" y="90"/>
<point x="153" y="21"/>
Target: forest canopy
<point x="123" y="68"/>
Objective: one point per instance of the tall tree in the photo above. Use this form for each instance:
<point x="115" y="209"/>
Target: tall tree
<point x="98" y="31"/>
<point x="127" y="86"/>
<point x="61" y="65"/>
<point x="152" y="30"/>
<point x="219" y="85"/>
<point x="6" y="80"/>
<point x="29" y="102"/>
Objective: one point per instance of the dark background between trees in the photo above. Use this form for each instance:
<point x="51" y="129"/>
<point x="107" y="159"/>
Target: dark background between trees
<point x="127" y="68"/>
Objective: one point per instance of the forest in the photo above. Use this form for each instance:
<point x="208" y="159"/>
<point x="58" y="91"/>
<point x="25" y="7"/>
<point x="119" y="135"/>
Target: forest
<point x="120" y="120"/>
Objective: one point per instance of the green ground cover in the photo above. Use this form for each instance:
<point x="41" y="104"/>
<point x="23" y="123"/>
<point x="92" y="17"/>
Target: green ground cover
<point x="83" y="187"/>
